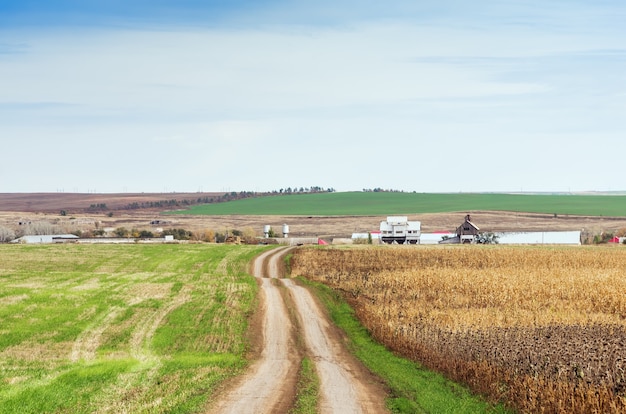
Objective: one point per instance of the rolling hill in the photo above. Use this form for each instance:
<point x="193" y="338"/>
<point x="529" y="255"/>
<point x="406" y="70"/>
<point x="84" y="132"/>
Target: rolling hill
<point x="383" y="203"/>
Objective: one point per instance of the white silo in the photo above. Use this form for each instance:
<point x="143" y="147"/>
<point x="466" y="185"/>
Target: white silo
<point x="285" y="230"/>
<point x="266" y="230"/>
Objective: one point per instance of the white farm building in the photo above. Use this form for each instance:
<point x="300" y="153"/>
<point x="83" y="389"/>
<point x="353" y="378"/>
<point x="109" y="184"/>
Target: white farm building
<point x="398" y="229"/>
<point x="540" y="237"/>
<point x="49" y="238"/>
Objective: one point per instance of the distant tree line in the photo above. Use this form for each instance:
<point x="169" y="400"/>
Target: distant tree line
<point x="381" y="190"/>
<point x="222" y="198"/>
<point x="93" y="207"/>
<point x="211" y="236"/>
<point x="157" y="204"/>
<point x="301" y="190"/>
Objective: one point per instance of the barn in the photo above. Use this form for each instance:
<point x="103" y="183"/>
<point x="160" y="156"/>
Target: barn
<point x="468" y="231"/>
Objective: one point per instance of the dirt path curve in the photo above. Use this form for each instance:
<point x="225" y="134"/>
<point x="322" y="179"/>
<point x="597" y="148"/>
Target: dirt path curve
<point x="342" y="386"/>
<point x="263" y="387"/>
<point x="345" y="386"/>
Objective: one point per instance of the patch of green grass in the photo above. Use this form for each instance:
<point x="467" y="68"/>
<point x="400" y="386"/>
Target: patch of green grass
<point x="370" y="203"/>
<point x="195" y="359"/>
<point x="414" y="389"/>
<point x="47" y="313"/>
<point x="70" y="391"/>
<point x="308" y="389"/>
<point x="150" y="328"/>
<point x="118" y="340"/>
<point x="287" y="262"/>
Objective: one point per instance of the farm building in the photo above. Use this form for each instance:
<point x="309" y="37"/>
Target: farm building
<point x="52" y="238"/>
<point x="540" y="237"/>
<point x="398" y="229"/>
<point x="127" y="240"/>
<point x="465" y="233"/>
<point x="70" y="238"/>
<point x="108" y="240"/>
<point x="468" y="231"/>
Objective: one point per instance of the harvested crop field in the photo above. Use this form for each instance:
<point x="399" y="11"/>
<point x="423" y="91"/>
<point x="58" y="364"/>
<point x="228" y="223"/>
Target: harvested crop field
<point x="543" y="329"/>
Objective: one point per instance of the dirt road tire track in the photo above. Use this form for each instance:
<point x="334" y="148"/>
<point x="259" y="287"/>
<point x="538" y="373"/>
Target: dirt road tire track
<point x="345" y="385"/>
<point x="268" y="386"/>
<point x="88" y="341"/>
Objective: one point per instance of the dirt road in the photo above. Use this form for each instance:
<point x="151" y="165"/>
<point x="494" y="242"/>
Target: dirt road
<point x="269" y="384"/>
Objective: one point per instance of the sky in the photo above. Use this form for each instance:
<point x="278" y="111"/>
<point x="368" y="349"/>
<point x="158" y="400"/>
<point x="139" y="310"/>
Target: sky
<point x="240" y="95"/>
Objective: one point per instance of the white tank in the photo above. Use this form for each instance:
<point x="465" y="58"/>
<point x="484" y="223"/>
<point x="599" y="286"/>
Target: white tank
<point x="285" y="230"/>
<point x="266" y="230"/>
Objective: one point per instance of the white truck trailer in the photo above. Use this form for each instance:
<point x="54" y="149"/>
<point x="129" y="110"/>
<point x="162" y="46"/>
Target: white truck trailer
<point x="398" y="229"/>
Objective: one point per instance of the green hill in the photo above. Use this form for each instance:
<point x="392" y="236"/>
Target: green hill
<point x="379" y="203"/>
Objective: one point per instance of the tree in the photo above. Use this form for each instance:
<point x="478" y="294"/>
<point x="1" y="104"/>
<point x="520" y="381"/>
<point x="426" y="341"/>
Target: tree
<point x="40" y="228"/>
<point x="121" y="232"/>
<point x="179" y="234"/>
<point x="6" y="234"/>
<point x="603" y="237"/>
<point x="487" y="238"/>
<point x="220" y="237"/>
<point x="146" y="234"/>
<point x="248" y="235"/>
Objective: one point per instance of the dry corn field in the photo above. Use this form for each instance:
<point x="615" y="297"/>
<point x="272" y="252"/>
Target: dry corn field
<point x="542" y="329"/>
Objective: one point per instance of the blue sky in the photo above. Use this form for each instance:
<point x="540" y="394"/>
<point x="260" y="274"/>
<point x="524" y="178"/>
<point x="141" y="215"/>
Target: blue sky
<point x="447" y="96"/>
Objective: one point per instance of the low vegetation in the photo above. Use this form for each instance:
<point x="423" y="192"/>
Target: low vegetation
<point x="107" y="328"/>
<point x="541" y="329"/>
<point x="308" y="389"/>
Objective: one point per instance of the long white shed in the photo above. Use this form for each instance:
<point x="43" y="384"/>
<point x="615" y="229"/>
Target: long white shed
<point x="46" y="238"/>
<point x="540" y="237"/>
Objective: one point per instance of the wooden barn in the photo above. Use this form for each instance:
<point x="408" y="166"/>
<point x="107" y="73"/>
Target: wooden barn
<point x="468" y="231"/>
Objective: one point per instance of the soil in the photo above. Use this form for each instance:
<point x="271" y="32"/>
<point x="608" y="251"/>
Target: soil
<point x="269" y="386"/>
<point x="79" y="203"/>
<point x="35" y="207"/>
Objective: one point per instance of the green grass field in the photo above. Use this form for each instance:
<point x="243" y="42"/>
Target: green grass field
<point x="370" y="203"/>
<point x="141" y="328"/>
